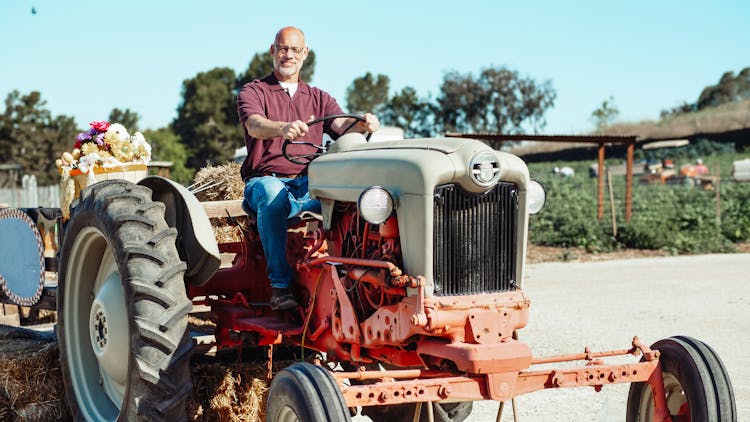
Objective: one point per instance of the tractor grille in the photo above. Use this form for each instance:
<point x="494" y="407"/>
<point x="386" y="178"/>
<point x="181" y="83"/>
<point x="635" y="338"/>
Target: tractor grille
<point x="475" y="240"/>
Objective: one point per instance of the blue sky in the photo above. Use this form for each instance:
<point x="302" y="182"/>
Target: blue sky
<point x="87" y="57"/>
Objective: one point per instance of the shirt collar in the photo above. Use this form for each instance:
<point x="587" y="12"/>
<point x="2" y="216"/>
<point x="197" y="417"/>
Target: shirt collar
<point x="302" y="87"/>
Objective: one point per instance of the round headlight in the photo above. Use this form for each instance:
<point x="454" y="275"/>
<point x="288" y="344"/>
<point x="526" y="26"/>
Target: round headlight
<point x="375" y="205"/>
<point x="535" y="197"/>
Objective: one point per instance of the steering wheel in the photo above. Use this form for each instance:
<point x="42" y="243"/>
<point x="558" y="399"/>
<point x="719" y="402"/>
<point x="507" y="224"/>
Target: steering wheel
<point x="305" y="159"/>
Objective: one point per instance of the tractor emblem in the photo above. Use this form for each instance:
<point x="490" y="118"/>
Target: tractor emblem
<point x="485" y="169"/>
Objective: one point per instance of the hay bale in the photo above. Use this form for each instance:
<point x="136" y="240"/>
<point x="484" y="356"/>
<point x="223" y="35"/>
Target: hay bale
<point x="227" y="232"/>
<point x="219" y="183"/>
<point x="222" y="183"/>
<point x="31" y="387"/>
<point x="228" y="392"/>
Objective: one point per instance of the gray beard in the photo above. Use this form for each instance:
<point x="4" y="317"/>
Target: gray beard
<point x="287" y="71"/>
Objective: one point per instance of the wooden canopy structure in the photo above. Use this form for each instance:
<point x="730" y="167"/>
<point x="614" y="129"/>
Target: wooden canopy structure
<point x="600" y="140"/>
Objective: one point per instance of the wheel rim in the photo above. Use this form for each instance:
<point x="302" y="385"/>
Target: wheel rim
<point x="96" y="327"/>
<point x="676" y="399"/>
<point x="675" y="394"/>
<point x="287" y="414"/>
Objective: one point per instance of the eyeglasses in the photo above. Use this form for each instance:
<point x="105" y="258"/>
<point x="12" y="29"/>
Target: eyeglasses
<point x="286" y="49"/>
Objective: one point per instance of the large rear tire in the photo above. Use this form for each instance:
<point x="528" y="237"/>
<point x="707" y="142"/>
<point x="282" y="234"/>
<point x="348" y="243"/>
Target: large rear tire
<point x="122" y="309"/>
<point x="696" y="384"/>
<point x="306" y="393"/>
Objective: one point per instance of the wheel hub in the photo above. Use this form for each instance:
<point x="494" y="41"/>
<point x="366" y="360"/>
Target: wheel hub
<point x="108" y="331"/>
<point x="100" y="329"/>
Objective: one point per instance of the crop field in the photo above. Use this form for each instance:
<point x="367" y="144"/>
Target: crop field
<point x="676" y="217"/>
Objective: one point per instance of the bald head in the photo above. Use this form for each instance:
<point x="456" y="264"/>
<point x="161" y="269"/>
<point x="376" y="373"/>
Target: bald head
<point x="289" y="32"/>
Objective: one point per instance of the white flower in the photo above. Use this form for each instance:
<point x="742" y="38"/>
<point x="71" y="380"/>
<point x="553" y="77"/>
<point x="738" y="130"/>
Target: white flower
<point x="117" y="132"/>
<point x="141" y="147"/>
<point x="138" y="139"/>
<point x="88" y="162"/>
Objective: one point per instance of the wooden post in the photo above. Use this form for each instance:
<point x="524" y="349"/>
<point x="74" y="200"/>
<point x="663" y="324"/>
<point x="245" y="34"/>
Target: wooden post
<point x="612" y="204"/>
<point x="718" y="195"/>
<point x="629" y="183"/>
<point x="600" y="185"/>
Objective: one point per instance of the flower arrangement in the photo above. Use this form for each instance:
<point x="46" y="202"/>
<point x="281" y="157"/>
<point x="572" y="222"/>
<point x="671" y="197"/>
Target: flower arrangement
<point x="105" y="145"/>
<point x="105" y="151"/>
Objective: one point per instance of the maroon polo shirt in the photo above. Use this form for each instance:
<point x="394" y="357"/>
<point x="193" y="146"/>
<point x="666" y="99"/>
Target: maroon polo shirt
<point x="270" y="100"/>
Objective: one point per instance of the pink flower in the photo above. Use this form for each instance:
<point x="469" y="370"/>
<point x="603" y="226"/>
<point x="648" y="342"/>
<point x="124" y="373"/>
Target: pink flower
<point x="99" y="125"/>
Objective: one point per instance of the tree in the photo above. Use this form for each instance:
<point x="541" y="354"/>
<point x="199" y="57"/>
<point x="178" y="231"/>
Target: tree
<point x="743" y="83"/>
<point x="499" y="101"/>
<point x="127" y="118"/>
<point x="207" y="120"/>
<point x="682" y="108"/>
<point x="367" y="93"/>
<point x="729" y="89"/>
<point x="32" y="137"/>
<point x="166" y="146"/>
<point x="605" y="114"/>
<point x="416" y="116"/>
<point x="262" y="64"/>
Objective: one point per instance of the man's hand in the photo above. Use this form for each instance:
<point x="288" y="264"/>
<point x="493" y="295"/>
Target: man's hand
<point x="371" y="123"/>
<point x="294" y="130"/>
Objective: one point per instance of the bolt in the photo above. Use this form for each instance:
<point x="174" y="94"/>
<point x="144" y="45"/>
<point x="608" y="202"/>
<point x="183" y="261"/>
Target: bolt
<point x="613" y="377"/>
<point x="444" y="392"/>
<point x="383" y="396"/>
<point x="557" y="380"/>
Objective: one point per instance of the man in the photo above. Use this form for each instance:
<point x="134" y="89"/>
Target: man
<point x="273" y="109"/>
<point x="700" y="168"/>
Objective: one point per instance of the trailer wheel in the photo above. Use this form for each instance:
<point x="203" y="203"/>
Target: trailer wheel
<point x="696" y="384"/>
<point x="305" y="392"/>
<point x="122" y="309"/>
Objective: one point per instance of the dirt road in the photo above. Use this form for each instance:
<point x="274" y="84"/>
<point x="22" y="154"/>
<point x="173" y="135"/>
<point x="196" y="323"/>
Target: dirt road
<point x="604" y="304"/>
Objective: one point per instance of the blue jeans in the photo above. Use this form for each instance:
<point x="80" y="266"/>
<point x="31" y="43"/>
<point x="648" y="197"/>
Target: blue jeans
<point x="274" y="201"/>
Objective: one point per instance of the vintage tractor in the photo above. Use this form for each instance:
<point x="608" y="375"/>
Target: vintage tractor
<point x="409" y="284"/>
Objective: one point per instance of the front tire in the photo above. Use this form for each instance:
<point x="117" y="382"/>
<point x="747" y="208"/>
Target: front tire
<point x="307" y="393"/>
<point x="122" y="309"/>
<point x="696" y="384"/>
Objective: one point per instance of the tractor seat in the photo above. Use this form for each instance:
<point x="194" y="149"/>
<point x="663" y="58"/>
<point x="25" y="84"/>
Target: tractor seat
<point x="236" y="208"/>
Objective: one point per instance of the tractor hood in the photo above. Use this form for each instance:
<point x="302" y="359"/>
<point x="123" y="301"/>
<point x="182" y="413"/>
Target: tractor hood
<point x="405" y="167"/>
<point x="444" y="145"/>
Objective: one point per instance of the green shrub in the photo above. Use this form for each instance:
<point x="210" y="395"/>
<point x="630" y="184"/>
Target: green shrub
<point x="569" y="219"/>
<point x="677" y="218"/>
<point x="735" y="214"/>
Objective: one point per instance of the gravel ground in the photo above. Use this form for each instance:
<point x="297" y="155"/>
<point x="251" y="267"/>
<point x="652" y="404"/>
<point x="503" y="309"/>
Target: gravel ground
<point x="604" y="304"/>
